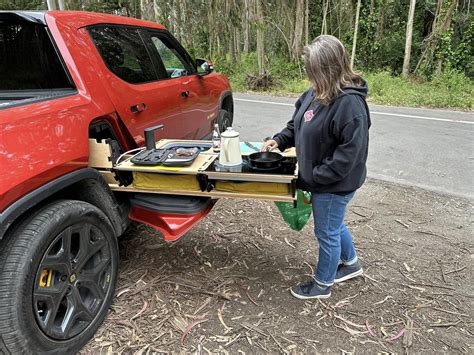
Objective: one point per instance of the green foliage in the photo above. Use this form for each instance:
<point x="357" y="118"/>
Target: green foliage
<point x="376" y="49"/>
<point x="451" y="89"/>
<point x="238" y="72"/>
<point x="22" y="5"/>
<point x="207" y="30"/>
<point x="105" y="6"/>
<point x="283" y="70"/>
<point x="459" y="55"/>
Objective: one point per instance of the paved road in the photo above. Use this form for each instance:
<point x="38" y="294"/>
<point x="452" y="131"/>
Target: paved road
<point x="432" y="149"/>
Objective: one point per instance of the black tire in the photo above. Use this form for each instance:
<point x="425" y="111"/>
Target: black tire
<point x="58" y="270"/>
<point x="224" y="119"/>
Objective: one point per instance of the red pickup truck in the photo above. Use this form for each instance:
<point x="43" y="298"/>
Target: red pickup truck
<point x="67" y="77"/>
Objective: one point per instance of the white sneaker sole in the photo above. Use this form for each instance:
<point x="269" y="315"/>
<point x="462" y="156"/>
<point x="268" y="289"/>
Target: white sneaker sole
<point x="309" y="297"/>
<point x="350" y="276"/>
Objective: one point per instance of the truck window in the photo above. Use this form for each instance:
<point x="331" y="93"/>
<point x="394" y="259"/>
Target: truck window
<point x="124" y="53"/>
<point x="174" y="64"/>
<point x="28" y="59"/>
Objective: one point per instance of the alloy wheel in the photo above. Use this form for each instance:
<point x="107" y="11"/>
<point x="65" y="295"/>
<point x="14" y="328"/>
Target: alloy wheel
<point x="225" y="121"/>
<point x="72" y="281"/>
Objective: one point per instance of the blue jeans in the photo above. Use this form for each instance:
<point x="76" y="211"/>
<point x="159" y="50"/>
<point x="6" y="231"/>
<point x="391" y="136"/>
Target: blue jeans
<point x="335" y="241"/>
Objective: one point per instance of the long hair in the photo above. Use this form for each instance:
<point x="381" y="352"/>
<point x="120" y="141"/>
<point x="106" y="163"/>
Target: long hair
<point x="328" y="68"/>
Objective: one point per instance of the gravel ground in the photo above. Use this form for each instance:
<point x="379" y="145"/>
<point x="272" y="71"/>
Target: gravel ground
<point x="224" y="287"/>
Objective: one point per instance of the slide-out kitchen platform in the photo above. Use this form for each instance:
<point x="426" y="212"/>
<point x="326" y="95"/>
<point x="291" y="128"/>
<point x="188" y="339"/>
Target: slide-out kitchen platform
<point x="203" y="178"/>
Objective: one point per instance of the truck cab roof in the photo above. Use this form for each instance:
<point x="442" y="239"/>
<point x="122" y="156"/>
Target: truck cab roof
<point x="30" y="16"/>
<point x="78" y="19"/>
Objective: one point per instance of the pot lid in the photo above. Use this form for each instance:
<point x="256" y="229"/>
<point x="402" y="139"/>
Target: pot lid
<point x="229" y="133"/>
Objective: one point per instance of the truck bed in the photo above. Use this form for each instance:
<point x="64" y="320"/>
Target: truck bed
<point x="10" y="98"/>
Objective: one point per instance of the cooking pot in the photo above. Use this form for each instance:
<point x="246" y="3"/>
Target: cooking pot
<point x="265" y="160"/>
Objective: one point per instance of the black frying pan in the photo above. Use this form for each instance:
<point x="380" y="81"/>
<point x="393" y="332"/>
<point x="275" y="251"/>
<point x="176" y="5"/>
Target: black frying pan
<point x="265" y="160"/>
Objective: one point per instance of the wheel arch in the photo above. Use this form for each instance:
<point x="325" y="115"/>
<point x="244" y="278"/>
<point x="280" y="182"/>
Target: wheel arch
<point x="83" y="184"/>
<point x="111" y="126"/>
<point x="226" y="102"/>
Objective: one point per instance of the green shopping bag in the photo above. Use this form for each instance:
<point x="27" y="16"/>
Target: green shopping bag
<point x="296" y="216"/>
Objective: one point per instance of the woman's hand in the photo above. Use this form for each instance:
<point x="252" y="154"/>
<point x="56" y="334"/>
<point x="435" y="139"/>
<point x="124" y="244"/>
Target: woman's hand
<point x="269" y="145"/>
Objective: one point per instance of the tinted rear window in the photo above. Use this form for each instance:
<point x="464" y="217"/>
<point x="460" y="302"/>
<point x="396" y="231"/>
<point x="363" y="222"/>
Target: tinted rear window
<point x="124" y="53"/>
<point x="28" y="59"/>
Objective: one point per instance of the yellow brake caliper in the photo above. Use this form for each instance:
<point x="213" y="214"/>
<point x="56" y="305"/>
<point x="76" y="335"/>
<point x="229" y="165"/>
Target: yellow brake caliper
<point x="45" y="279"/>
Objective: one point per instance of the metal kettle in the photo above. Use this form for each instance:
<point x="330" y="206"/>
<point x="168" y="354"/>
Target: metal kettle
<point x="230" y="154"/>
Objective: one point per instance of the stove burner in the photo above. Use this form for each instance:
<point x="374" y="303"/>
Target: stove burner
<point x="286" y="167"/>
<point x="265" y="169"/>
<point x="230" y="169"/>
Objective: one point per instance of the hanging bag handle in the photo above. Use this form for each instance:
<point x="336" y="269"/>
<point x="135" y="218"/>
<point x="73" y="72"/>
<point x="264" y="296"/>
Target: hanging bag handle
<point x="305" y="198"/>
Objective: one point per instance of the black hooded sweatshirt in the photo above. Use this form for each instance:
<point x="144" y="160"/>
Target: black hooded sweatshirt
<point x="331" y="141"/>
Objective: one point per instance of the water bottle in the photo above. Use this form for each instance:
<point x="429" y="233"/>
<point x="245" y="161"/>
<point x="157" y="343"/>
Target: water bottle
<point x="216" y="139"/>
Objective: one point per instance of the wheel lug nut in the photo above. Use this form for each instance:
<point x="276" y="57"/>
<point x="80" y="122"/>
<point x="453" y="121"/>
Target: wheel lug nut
<point x="63" y="278"/>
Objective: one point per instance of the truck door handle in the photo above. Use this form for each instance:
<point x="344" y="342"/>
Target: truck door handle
<point x="138" y="108"/>
<point x="185" y="93"/>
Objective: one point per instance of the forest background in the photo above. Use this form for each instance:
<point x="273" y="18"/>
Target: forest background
<point x="412" y="52"/>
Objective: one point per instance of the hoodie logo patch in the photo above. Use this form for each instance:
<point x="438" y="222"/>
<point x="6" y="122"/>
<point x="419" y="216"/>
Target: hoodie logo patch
<point x="308" y="115"/>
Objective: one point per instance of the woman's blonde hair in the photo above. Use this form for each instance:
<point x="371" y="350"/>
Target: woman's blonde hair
<point x="328" y="68"/>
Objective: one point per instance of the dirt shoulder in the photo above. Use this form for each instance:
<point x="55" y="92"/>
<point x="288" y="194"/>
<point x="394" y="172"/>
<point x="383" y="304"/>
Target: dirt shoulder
<point x="224" y="286"/>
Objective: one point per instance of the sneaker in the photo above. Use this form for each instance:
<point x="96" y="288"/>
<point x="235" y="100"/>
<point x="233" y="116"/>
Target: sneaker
<point x="346" y="272"/>
<point x="310" y="290"/>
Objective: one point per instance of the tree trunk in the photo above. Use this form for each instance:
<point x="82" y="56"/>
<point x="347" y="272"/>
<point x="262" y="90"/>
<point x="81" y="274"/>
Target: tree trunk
<point x="329" y="20"/>
<point x="298" y="29"/>
<point x="178" y="23"/>
<point x="147" y="10"/>
<point x="231" y="41"/>
<point x="246" y="26"/>
<point x="380" y="27"/>
<point x="158" y="12"/>
<point x="443" y="23"/>
<point x="436" y="14"/>
<point x="62" y="5"/>
<point x="237" y="44"/>
<point x="210" y="28"/>
<point x="143" y="8"/>
<point x="287" y="8"/>
<point x="356" y="28"/>
<point x="406" y="59"/>
<point x="171" y="16"/>
<point x="339" y="19"/>
<point x="260" y="39"/>
<point x="51" y="4"/>
<point x="324" y="26"/>
<point x="183" y="32"/>
<point x="306" y="23"/>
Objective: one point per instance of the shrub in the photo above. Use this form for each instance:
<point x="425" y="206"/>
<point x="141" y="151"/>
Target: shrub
<point x="451" y="89"/>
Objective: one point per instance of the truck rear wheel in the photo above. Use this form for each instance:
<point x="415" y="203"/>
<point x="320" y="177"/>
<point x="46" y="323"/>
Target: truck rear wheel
<point x="58" y="270"/>
<point x="224" y="119"/>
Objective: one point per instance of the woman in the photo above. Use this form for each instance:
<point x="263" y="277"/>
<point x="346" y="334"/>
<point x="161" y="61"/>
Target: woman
<point x="330" y="130"/>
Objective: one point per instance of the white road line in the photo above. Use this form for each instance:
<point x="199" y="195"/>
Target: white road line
<point x="265" y="102"/>
<point x="420" y="117"/>
<point x="372" y="112"/>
